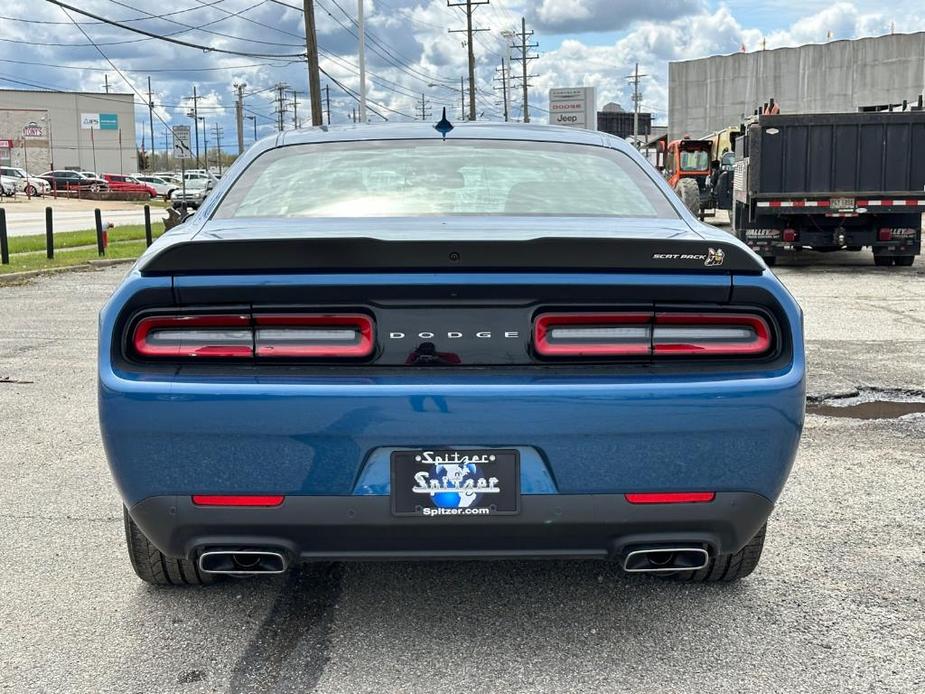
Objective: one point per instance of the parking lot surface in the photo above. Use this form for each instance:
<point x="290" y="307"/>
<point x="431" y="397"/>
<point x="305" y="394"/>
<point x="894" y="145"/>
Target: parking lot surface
<point x="837" y="603"/>
<point x="25" y="217"/>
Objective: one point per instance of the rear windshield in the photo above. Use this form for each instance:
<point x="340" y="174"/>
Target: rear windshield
<point x="413" y="178"/>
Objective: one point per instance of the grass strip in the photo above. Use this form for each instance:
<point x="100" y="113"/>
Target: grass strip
<point x="73" y="239"/>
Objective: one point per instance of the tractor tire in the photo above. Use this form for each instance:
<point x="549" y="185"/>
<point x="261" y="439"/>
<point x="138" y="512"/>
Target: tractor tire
<point x="904" y="260"/>
<point x="689" y="192"/>
<point x="883" y="260"/>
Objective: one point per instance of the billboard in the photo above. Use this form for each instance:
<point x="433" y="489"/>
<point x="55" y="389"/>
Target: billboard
<point x="575" y="107"/>
<point x="99" y="121"/>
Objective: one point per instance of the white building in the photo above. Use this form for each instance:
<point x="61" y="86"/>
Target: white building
<point x="42" y="130"/>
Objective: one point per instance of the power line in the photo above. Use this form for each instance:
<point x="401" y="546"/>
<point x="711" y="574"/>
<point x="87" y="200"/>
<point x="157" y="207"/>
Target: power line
<point x="169" y="39"/>
<point x="277" y="64"/>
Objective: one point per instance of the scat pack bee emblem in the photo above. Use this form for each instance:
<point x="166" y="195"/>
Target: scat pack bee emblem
<point x="715" y="256"/>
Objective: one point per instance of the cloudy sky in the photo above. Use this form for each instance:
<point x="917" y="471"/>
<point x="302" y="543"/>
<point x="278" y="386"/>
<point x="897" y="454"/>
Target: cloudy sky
<point x="409" y="49"/>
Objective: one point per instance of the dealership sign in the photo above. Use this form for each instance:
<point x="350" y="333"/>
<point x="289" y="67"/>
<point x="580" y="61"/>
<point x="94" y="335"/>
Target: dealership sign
<point x="99" y="121"/>
<point x="575" y="107"/>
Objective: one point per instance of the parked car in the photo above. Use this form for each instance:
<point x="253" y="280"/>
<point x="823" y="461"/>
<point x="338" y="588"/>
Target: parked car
<point x="197" y="190"/>
<point x="162" y="186"/>
<point x="8" y="186"/>
<point x="128" y="184"/>
<point x="30" y="185"/>
<point x="494" y="341"/>
<point x="74" y="180"/>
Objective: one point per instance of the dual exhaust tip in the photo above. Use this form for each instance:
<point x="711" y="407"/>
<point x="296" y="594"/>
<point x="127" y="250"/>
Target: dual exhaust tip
<point x="243" y="562"/>
<point x="665" y="559"/>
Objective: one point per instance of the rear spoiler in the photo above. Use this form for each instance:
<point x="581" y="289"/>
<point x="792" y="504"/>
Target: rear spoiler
<point x="274" y="255"/>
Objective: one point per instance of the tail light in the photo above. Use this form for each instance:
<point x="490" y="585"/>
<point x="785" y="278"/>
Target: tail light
<point x="265" y="336"/>
<point x="885" y="235"/>
<point x="711" y="334"/>
<point x="194" y="336"/>
<point x="592" y="334"/>
<point x="645" y="334"/>
<point x="341" y="336"/>
<point x="790" y="235"/>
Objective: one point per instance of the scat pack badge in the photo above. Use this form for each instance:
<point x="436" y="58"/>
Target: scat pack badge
<point x="714" y="257"/>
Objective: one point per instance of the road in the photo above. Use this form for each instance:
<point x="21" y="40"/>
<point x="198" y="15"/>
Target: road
<point x="835" y="606"/>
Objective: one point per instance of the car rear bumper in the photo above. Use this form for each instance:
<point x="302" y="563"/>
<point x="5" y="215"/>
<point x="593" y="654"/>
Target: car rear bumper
<point x="312" y="528"/>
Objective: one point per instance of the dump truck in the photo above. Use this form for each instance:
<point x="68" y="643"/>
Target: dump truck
<point x="835" y="181"/>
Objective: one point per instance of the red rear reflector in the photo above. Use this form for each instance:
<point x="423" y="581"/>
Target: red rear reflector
<point x="236" y="500"/>
<point x="885" y="235"/>
<point x="790" y="235"/>
<point x="194" y="336"/>
<point x="348" y="335"/>
<point x="592" y="334"/>
<point x="710" y="334"/>
<point x="670" y="497"/>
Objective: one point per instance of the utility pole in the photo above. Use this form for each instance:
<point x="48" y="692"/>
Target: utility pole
<point x="462" y="98"/>
<point x="503" y="70"/>
<point x="166" y="150"/>
<point x="106" y="82"/>
<point x="637" y="99"/>
<point x="196" y="123"/>
<point x="469" y="6"/>
<point x="219" y="131"/>
<point x="253" y="118"/>
<point x="327" y="101"/>
<point x="151" y="124"/>
<point x="311" y="48"/>
<point x="425" y="113"/>
<point x="205" y="141"/>
<point x="525" y="58"/>
<point x="239" y="115"/>
<point x="295" y="109"/>
<point x="361" y="34"/>
<point x="280" y="104"/>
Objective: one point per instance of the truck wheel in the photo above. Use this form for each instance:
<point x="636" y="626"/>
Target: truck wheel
<point x="883" y="260"/>
<point x="726" y="567"/>
<point x="689" y="192"/>
<point x="769" y="260"/>
<point x="152" y="566"/>
<point x="904" y="260"/>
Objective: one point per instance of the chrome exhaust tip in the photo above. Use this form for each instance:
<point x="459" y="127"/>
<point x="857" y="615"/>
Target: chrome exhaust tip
<point x="243" y="562"/>
<point x="665" y="559"/>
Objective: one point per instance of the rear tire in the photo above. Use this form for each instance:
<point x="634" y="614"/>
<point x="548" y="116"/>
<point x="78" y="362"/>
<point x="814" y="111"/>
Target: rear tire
<point x="689" y="192"/>
<point x="727" y="567"/>
<point x="769" y="260"/>
<point x="904" y="260"/>
<point x="154" y="567"/>
<point x="883" y="260"/>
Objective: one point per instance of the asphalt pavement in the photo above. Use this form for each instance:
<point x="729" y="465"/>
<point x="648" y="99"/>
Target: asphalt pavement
<point x="28" y="217"/>
<point x="836" y="605"/>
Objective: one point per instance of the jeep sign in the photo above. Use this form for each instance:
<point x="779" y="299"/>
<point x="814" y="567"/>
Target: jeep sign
<point x="575" y="107"/>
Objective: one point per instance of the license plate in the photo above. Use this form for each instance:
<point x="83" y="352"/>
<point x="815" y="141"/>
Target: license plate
<point x="842" y="203"/>
<point x="455" y="483"/>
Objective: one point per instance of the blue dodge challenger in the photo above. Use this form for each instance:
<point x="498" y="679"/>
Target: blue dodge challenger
<point x="479" y="341"/>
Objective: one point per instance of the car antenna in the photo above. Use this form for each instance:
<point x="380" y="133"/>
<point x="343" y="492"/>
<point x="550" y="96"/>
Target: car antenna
<point x="443" y="126"/>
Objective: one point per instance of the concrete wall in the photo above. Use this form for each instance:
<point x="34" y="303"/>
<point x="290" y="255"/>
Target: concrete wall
<point x="66" y="144"/>
<point x="712" y="93"/>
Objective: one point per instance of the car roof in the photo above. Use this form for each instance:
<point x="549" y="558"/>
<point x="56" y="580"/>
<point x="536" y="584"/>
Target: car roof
<point x="461" y="130"/>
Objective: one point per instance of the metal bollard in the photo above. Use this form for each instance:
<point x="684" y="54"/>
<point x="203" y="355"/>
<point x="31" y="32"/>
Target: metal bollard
<point x="49" y="234"/>
<point x="4" y="244"/>
<point x="100" y="245"/>
<point x="148" y="239"/>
